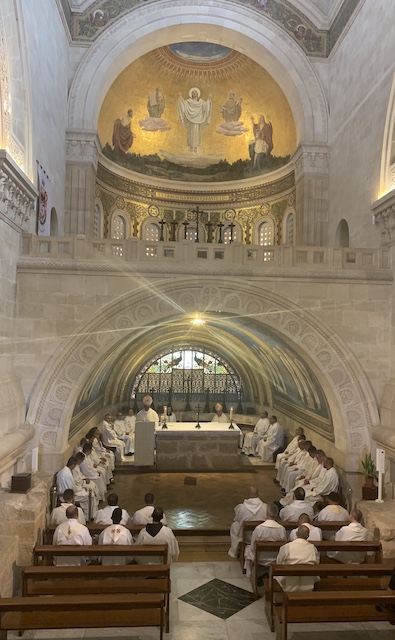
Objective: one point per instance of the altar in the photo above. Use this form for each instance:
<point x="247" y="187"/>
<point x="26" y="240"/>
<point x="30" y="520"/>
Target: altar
<point x="182" y="447"/>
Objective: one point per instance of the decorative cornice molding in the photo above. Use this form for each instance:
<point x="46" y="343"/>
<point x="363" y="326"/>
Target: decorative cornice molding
<point x="82" y="147"/>
<point x="18" y="196"/>
<point x="384" y="213"/>
<point x="312" y="159"/>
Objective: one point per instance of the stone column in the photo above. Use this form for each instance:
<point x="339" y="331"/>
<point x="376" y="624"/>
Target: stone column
<point x="311" y="162"/>
<point x="82" y="153"/>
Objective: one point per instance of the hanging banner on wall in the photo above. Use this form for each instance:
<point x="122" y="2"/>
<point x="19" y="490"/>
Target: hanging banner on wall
<point x="44" y="203"/>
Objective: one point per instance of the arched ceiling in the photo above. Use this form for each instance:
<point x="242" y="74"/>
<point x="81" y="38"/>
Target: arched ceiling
<point x="271" y="370"/>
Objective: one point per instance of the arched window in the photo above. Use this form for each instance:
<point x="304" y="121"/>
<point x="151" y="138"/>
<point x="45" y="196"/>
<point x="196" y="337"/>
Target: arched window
<point x="342" y="234"/>
<point x="118" y="228"/>
<point x="266" y="233"/>
<point x="97" y="222"/>
<point x="289" y="228"/>
<point x="152" y="232"/>
<point x="191" y="233"/>
<point x="227" y="234"/>
<point x="54" y="222"/>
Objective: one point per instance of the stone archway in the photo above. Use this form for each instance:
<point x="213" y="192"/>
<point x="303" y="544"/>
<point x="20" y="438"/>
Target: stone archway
<point x="351" y="399"/>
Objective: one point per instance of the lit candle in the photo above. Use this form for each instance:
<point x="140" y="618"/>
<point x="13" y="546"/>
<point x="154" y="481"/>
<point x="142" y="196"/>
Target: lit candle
<point x="35" y="459"/>
<point x="165" y="411"/>
<point x="209" y="216"/>
<point x="231" y="413"/>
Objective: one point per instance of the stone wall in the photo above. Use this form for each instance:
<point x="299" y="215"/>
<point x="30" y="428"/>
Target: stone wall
<point x="8" y="571"/>
<point x="379" y="521"/>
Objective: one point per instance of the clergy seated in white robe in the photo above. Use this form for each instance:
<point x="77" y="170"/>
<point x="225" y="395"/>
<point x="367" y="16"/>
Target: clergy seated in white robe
<point x="147" y="414"/>
<point x="298" y="506"/>
<point x="271" y="442"/>
<point x="292" y="459"/>
<point x="158" y="533"/>
<point x="252" y="508"/>
<point x="58" y="514"/>
<point x="251" y="438"/>
<point x="306" y="464"/>
<point x="91" y="472"/>
<point x="104" y="516"/>
<point x="291" y="448"/>
<point x="85" y="484"/>
<point x="65" y="480"/>
<point x="94" y="437"/>
<point x="308" y="482"/>
<point x="110" y="438"/>
<point x="315" y="533"/>
<point x="116" y="533"/>
<point x="329" y="483"/>
<point x="144" y="515"/>
<point x="333" y="512"/>
<point x="270" y="530"/>
<point x="298" y="551"/>
<point x="122" y="432"/>
<point x="219" y="416"/>
<point x="71" y="532"/>
<point x="352" y="532"/>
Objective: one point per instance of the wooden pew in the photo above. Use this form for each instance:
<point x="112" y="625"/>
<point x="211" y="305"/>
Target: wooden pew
<point x="334" y="577"/>
<point x="323" y="547"/>
<point x="82" y="611"/>
<point x="69" y="580"/>
<point x="325" y="606"/>
<point x="44" y="553"/>
<point x="249" y="526"/>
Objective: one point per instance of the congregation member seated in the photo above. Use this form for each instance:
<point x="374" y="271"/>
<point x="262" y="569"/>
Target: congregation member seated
<point x="269" y="531"/>
<point x="91" y="471"/>
<point x="65" y="479"/>
<point x="298" y="506"/>
<point x="170" y="415"/>
<point x="147" y="414"/>
<point x="333" y="512"/>
<point x="315" y="533"/>
<point x="252" y="508"/>
<point x="111" y="440"/>
<point x="102" y="463"/>
<point x="104" y="516"/>
<point x="71" y="532"/>
<point x="298" y="469"/>
<point x="116" y="533"/>
<point x="144" y="515"/>
<point x="291" y="459"/>
<point x="123" y="433"/>
<point x="273" y="440"/>
<point x="353" y="531"/>
<point x="158" y="533"/>
<point x="85" y="483"/>
<point x="298" y="551"/>
<point x="219" y="415"/>
<point x="311" y="481"/>
<point x="329" y="483"/>
<point x="252" y="438"/>
<point x="58" y="514"/>
<point x="291" y="448"/>
<point x="94" y="437"/>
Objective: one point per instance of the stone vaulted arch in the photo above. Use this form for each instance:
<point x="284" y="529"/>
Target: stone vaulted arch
<point x="349" y="395"/>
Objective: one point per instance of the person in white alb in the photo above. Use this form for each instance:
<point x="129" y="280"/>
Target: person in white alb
<point x="329" y="483"/>
<point x="92" y="472"/>
<point x="130" y="421"/>
<point x="102" y="463"/>
<point x="297" y="507"/>
<point x="122" y="432"/>
<point x="271" y="442"/>
<point x="315" y="533"/>
<point x="111" y="440"/>
<point x="147" y="414"/>
<point x="352" y="532"/>
<point x="65" y="480"/>
<point x="158" y="533"/>
<point x="304" y="467"/>
<point x="291" y="448"/>
<point x="58" y="514"/>
<point x="71" y="532"/>
<point x="271" y="531"/>
<point x="94" y="436"/>
<point x="84" y="483"/>
<point x="104" y="516"/>
<point x="298" y="551"/>
<point x="333" y="512"/>
<point x="116" y="533"/>
<point x="252" y="438"/>
<point x="252" y="508"/>
<point x="170" y="415"/>
<point x="144" y="515"/>
<point x="219" y="415"/>
<point x="291" y="459"/>
<point x="296" y="467"/>
<point x="308" y="482"/>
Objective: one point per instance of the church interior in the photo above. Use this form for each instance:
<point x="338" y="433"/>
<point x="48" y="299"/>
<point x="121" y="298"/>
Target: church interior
<point x="197" y="202"/>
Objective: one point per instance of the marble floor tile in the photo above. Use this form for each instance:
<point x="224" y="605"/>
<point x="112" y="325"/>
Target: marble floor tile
<point x="192" y="570"/>
<point x="225" y="570"/>
<point x="248" y="630"/>
<point x="213" y="629"/>
<point x="219" y="598"/>
<point x="187" y="612"/>
<point x="48" y="634"/>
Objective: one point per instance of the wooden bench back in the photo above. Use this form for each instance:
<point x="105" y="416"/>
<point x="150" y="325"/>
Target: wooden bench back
<point x="96" y="529"/>
<point x="47" y="552"/>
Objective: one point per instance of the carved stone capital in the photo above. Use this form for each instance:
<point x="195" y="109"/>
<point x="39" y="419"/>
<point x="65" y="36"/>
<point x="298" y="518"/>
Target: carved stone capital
<point x="311" y="159"/>
<point x="82" y="147"/>
<point x="18" y="196"/>
<point x="384" y="214"/>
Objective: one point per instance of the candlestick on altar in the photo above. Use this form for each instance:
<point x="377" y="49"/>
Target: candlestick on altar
<point x="231" y="418"/>
<point x="197" y="418"/>
<point x="380" y="466"/>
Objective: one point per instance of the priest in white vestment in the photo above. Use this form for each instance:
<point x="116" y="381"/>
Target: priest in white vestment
<point x="58" y="514"/>
<point x="298" y="506"/>
<point x="130" y="422"/>
<point x="170" y="415"/>
<point x="71" y="532"/>
<point x="252" y="438"/>
<point x="116" y="533"/>
<point x="291" y="448"/>
<point x="144" y="515"/>
<point x="219" y="415"/>
<point x="86" y="483"/>
<point x="329" y="483"/>
<point x="158" y="533"/>
<point x="110" y="438"/>
<point x="308" y="482"/>
<point x="290" y="460"/>
<point x="333" y="512"/>
<point x="315" y="533"/>
<point x="91" y="471"/>
<point x="65" y="480"/>
<point x="94" y="437"/>
<point x="252" y="508"/>
<point x="271" y="531"/>
<point x="298" y="551"/>
<point x="104" y="516"/>
<point x="147" y="414"/>
<point x="122" y="432"/>
<point x="352" y="532"/>
<point x="272" y="441"/>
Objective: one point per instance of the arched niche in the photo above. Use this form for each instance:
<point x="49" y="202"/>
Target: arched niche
<point x="54" y="222"/>
<point x="342" y="237"/>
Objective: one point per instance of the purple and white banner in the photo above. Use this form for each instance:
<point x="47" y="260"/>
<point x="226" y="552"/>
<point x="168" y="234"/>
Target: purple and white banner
<point x="44" y="203"/>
